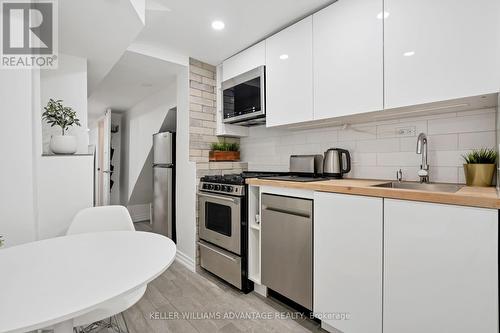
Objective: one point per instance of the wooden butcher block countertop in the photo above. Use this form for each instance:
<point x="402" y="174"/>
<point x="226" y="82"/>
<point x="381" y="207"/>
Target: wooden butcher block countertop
<point x="484" y="197"/>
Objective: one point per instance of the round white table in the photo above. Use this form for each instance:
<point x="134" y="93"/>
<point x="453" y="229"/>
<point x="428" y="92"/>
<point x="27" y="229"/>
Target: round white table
<point x="50" y="282"/>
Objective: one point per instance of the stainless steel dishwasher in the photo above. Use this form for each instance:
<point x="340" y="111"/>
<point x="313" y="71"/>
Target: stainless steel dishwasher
<point x="287" y="247"/>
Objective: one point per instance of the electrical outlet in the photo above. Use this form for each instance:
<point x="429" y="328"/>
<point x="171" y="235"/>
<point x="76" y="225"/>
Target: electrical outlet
<point x="406" y="131"/>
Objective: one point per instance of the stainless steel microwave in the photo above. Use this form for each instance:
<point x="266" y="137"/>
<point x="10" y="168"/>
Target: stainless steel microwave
<point x="244" y="98"/>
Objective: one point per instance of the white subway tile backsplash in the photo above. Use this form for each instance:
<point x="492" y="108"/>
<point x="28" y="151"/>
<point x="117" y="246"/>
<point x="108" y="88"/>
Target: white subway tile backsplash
<point x="378" y="145"/>
<point x="444" y="174"/>
<point x="446" y="158"/>
<point x="377" y="149"/>
<point x="398" y="159"/>
<point x="461" y="175"/>
<point x="442" y="142"/>
<point x="477" y="140"/>
<point x="373" y="172"/>
<point x="467" y="124"/>
<point x="322" y="137"/>
<point x="357" y="132"/>
<point x="435" y="142"/>
<point x="366" y="159"/>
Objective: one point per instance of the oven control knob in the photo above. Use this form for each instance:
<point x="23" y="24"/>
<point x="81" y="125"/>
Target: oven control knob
<point x="217" y="187"/>
<point x="229" y="189"/>
<point x="223" y="188"/>
<point x="210" y="186"/>
<point x="205" y="186"/>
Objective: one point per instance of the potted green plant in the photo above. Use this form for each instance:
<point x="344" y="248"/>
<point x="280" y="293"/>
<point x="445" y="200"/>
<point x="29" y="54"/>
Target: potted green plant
<point x="56" y="114"/>
<point x="223" y="151"/>
<point x="479" y="167"/>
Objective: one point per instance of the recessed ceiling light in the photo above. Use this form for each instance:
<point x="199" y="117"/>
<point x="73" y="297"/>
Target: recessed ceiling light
<point x="409" y="53"/>
<point x="146" y="85"/>
<point x="383" y="15"/>
<point x="284" y="56"/>
<point x="218" y="25"/>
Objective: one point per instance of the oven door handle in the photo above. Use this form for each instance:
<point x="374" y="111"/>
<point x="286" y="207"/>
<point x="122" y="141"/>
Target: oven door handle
<point x="218" y="197"/>
<point x="217" y="251"/>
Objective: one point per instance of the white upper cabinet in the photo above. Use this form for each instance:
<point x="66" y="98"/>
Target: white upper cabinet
<point x="244" y="61"/>
<point x="440" y="268"/>
<point x="289" y="77"/>
<point x="348" y="58"/>
<point x="440" y="50"/>
<point x="348" y="234"/>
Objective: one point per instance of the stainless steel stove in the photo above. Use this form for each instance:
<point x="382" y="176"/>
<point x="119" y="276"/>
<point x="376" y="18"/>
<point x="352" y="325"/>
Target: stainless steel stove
<point x="223" y="227"/>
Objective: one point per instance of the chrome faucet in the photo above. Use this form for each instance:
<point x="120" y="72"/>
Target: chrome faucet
<point x="423" y="173"/>
<point x="399" y="175"/>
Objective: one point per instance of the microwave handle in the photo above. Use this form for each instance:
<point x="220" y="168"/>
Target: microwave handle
<point x="218" y="197"/>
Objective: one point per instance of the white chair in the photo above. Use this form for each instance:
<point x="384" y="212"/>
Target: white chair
<point x="99" y="219"/>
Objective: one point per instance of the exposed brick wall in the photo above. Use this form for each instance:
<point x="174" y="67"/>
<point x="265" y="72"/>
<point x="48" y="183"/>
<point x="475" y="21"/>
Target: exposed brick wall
<point x="202" y="129"/>
<point x="202" y="125"/>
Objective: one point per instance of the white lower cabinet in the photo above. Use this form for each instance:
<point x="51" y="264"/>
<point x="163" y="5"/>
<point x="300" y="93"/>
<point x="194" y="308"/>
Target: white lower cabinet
<point x="440" y="268"/>
<point x="348" y="262"/>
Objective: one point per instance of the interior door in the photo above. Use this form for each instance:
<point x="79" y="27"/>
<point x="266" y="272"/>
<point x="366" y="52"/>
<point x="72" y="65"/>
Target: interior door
<point x="103" y="191"/>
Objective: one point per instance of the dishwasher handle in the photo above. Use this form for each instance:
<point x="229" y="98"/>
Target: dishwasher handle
<point x="287" y="212"/>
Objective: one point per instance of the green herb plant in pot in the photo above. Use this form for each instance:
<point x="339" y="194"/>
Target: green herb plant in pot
<point x="480" y="167"/>
<point x="56" y="114"/>
<point x="222" y="151"/>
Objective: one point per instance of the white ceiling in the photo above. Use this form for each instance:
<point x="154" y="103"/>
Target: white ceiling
<point x="185" y="25"/>
<point x="99" y="31"/>
<point x="131" y="80"/>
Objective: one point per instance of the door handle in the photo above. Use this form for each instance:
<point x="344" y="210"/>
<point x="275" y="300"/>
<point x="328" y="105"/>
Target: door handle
<point x="106" y="171"/>
<point x="218" y="197"/>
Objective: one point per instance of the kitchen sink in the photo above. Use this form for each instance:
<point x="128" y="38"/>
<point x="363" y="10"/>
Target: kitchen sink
<point x="432" y="187"/>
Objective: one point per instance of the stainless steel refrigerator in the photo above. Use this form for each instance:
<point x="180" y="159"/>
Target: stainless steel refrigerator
<point x="163" y="210"/>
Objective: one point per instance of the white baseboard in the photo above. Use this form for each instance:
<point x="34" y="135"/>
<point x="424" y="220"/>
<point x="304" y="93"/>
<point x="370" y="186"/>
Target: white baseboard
<point x="185" y="260"/>
<point x="260" y="289"/>
<point x="139" y="213"/>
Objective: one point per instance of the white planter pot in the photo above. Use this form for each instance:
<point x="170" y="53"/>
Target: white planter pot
<point x="63" y="144"/>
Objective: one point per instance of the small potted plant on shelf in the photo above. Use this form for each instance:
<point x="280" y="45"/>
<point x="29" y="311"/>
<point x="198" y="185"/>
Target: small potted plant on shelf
<point x="222" y="151"/>
<point x="65" y="117"/>
<point x="479" y="167"/>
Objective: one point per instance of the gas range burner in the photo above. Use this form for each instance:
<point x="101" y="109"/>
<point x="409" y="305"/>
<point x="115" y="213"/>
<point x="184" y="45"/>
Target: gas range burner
<point x="232" y="179"/>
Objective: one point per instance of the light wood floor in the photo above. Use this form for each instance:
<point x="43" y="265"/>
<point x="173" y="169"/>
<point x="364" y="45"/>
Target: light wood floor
<point x="179" y="291"/>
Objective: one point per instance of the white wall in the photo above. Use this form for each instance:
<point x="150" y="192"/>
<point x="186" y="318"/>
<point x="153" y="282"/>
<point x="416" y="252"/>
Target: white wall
<point x="376" y="149"/>
<point x="65" y="186"/>
<point x="17" y="165"/>
<point x="139" y="125"/>
<point x="68" y="83"/>
<point x="186" y="178"/>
